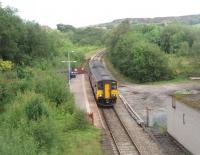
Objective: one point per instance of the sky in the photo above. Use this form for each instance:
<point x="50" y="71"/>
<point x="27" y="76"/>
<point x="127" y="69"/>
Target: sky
<point x="89" y="12"/>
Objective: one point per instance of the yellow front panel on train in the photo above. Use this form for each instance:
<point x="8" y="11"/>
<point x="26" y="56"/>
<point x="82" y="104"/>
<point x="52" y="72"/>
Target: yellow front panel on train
<point x="114" y="92"/>
<point x="99" y="94"/>
<point x="107" y="90"/>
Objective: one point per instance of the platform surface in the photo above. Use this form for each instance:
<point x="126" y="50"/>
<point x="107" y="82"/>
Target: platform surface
<point x="77" y="87"/>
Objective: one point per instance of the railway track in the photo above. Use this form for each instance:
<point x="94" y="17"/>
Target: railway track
<point x="123" y="142"/>
<point x="126" y="128"/>
<point x="98" y="55"/>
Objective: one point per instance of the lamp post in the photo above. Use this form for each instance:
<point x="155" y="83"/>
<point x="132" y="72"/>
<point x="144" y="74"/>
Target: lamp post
<point x="69" y="65"/>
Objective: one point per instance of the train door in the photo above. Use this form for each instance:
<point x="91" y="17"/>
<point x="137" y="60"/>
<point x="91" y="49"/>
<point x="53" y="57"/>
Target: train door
<point x="107" y="90"/>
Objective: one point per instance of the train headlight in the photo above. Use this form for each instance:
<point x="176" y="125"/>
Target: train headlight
<point x="100" y="95"/>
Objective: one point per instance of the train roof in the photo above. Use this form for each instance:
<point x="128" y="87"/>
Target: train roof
<point x="99" y="71"/>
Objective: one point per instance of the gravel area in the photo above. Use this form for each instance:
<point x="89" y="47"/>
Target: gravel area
<point x="154" y="98"/>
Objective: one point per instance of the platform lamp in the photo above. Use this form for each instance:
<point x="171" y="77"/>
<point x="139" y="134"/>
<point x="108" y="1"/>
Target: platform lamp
<point x="69" y="65"/>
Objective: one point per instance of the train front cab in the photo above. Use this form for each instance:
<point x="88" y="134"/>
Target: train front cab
<point x="106" y="93"/>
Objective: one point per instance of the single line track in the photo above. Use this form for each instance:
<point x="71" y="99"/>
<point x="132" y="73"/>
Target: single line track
<point x="120" y="135"/>
<point x="118" y="131"/>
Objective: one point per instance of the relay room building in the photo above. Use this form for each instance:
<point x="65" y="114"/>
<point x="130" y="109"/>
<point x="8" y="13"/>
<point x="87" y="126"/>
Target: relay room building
<point x="183" y="121"/>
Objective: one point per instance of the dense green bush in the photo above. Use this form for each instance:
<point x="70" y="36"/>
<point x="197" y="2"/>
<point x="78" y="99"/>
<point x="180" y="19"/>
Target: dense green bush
<point x="44" y="134"/>
<point x="54" y="88"/>
<point x="24" y="85"/>
<point x="10" y="87"/>
<point x="6" y="65"/>
<point x="23" y="72"/>
<point x="8" y="90"/>
<point x="16" y="142"/>
<point x="196" y="49"/>
<point x="139" y="59"/>
<point x="35" y="109"/>
<point x="80" y="120"/>
<point x="26" y="120"/>
<point x="3" y="93"/>
<point x="76" y="121"/>
<point x="148" y="64"/>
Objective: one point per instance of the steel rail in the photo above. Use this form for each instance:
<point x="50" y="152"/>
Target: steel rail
<point x="111" y="133"/>
<point x="124" y="128"/>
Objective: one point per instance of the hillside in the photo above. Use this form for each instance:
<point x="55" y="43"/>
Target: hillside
<point x="189" y="19"/>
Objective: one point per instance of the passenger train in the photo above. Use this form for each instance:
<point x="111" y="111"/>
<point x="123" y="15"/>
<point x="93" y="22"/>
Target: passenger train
<point x="103" y="84"/>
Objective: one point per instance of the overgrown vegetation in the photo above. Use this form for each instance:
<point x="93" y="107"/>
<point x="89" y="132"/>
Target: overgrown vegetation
<point x="84" y="36"/>
<point x="37" y="111"/>
<point x="147" y="53"/>
<point x="38" y="115"/>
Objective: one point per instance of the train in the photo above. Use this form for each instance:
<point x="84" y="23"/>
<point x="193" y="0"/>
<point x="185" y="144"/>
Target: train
<point x="104" y="86"/>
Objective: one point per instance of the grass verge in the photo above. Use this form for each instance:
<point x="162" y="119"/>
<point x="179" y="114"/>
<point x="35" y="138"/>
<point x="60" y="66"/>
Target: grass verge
<point x="85" y="142"/>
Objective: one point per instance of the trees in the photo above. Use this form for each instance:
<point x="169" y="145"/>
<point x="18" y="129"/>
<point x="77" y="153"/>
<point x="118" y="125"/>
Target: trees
<point x="115" y="34"/>
<point x="139" y="59"/>
<point x="142" y="51"/>
<point x="195" y="50"/>
<point x="148" y="63"/>
<point x="11" y="32"/>
<point x="89" y="36"/>
<point x="183" y="49"/>
<point x="175" y="37"/>
<point x="65" y="28"/>
<point x="22" y="41"/>
<point x="166" y="38"/>
<point x="84" y="36"/>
